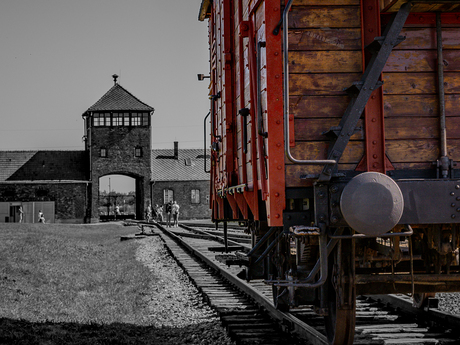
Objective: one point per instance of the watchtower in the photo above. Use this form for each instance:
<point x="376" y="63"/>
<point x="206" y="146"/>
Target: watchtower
<point x="118" y="141"/>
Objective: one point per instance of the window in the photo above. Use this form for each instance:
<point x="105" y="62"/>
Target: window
<point x="102" y="119"/>
<point x="135" y="119"/>
<point x="103" y="152"/>
<point x="145" y="119"/>
<point x="138" y="151"/>
<point x="126" y="119"/>
<point x="107" y="119"/>
<point x="168" y="195"/>
<point x="195" y="196"/>
<point x="117" y="119"/>
<point x="98" y="120"/>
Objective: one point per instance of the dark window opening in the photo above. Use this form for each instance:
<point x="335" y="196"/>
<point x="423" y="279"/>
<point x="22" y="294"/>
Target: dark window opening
<point x="195" y="196"/>
<point x="138" y="151"/>
<point x="103" y="152"/>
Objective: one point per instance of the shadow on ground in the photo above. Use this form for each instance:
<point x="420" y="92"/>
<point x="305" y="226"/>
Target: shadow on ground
<point x="24" y="332"/>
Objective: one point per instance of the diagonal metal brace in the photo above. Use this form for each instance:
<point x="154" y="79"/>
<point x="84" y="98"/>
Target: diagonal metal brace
<point x="369" y="82"/>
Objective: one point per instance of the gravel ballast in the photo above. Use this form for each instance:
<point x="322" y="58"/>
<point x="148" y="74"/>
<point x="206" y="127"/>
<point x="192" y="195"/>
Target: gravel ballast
<point x="176" y="306"/>
<point x="175" y="303"/>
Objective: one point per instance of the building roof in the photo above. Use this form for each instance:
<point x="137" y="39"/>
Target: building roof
<point x="43" y="166"/>
<point x="188" y="166"/>
<point x="119" y="99"/>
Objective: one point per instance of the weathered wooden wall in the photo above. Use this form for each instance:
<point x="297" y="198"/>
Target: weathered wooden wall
<point x="324" y="58"/>
<point x="411" y="97"/>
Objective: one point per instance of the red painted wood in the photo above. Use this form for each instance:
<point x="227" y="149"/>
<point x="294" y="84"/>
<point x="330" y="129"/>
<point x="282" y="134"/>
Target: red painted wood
<point x="274" y="125"/>
<point x="374" y="158"/>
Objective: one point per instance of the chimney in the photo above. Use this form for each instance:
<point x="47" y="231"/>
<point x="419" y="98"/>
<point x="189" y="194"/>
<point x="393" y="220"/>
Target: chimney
<point x="176" y="150"/>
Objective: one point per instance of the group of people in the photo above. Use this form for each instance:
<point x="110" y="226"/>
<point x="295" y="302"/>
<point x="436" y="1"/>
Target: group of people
<point x="172" y="213"/>
<point x="41" y="215"/>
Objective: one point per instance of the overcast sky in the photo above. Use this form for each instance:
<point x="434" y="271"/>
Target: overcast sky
<point x="58" y="57"/>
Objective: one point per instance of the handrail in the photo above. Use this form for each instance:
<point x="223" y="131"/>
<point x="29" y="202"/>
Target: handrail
<point x="204" y="151"/>
<point x="286" y="95"/>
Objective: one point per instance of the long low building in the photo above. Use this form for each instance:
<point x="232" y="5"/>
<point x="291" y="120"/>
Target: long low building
<point x="65" y="186"/>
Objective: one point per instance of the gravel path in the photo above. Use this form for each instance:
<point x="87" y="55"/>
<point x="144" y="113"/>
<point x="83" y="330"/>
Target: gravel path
<point x="175" y="302"/>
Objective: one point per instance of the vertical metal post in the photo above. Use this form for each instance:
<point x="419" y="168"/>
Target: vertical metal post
<point x="225" y="237"/>
<point x="444" y="160"/>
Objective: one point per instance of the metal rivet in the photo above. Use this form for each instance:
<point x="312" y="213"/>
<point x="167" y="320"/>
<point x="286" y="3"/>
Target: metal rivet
<point x="457" y="187"/>
<point x="452" y="193"/>
<point x="452" y="216"/>
<point x="452" y="205"/>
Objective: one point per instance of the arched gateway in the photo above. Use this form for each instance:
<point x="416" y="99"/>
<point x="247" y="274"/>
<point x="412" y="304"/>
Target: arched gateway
<point x="118" y="141"/>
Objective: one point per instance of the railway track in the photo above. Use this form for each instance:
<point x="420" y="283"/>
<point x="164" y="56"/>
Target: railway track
<point x="247" y="311"/>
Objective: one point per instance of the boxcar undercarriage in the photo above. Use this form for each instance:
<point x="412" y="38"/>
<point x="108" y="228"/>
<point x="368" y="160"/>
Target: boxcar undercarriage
<point x="341" y="197"/>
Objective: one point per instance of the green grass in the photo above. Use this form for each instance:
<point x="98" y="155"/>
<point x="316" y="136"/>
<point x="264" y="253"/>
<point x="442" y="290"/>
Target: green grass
<point x="75" y="284"/>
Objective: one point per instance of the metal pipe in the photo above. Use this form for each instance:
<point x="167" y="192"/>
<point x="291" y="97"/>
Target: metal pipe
<point x="409" y="232"/>
<point x="330" y="246"/>
<point x="286" y="94"/>
<point x="323" y="254"/>
<point x="225" y="237"/>
<point x="441" y="85"/>
<point x="270" y="247"/>
<point x="260" y="120"/>
<point x="444" y="160"/>
<point x="204" y="151"/>
<point x="262" y="241"/>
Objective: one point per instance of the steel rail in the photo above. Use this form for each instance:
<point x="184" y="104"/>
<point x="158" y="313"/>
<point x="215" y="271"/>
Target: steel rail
<point x="298" y="327"/>
<point x="217" y="238"/>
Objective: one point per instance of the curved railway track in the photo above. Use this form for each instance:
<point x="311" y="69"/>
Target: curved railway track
<point x="247" y="311"/>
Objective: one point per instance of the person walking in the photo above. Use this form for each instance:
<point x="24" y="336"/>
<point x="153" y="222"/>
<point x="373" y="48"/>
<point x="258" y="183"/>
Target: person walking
<point x="41" y="217"/>
<point x="21" y="214"/>
<point x="149" y="213"/>
<point x="175" y="213"/>
<point x="168" y="209"/>
<point x="159" y="213"/>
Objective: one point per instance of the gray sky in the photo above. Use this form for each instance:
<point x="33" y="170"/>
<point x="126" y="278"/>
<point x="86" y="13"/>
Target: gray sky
<point x="58" y="56"/>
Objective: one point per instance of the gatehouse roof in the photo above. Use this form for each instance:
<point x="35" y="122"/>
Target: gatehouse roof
<point x="119" y="99"/>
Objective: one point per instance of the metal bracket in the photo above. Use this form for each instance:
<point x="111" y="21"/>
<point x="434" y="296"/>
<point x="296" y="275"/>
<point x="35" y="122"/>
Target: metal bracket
<point x="369" y="82"/>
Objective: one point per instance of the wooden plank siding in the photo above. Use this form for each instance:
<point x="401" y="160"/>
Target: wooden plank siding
<point x="324" y="58"/>
<point x="411" y="105"/>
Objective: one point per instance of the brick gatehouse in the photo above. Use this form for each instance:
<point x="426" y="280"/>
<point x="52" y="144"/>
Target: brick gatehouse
<point x="117" y="140"/>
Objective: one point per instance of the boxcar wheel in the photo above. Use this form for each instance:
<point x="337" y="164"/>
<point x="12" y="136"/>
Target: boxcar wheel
<point x="340" y="321"/>
<point x="420" y="299"/>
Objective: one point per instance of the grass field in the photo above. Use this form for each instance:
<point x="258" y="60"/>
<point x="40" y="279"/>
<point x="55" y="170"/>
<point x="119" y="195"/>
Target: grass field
<point x="73" y="284"/>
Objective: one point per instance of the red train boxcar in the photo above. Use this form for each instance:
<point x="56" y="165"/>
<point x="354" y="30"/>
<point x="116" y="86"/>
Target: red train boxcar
<point x="335" y="132"/>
